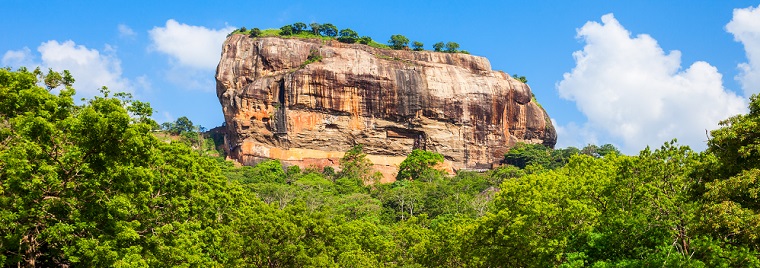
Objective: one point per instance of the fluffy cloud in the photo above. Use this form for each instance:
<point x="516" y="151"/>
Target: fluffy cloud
<point x="745" y="26"/>
<point x="125" y="31"/>
<point x="574" y="135"/>
<point x="18" y="58"/>
<point x="192" y="46"/>
<point x="91" y="68"/>
<point x="630" y="89"/>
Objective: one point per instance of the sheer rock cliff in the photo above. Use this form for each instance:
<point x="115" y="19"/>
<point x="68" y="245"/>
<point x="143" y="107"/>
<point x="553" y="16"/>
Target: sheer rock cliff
<point x="306" y="101"/>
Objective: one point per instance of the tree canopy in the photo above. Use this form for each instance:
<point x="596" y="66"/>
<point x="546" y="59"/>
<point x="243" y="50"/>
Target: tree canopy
<point x="91" y="185"/>
<point x="398" y="41"/>
<point x="348" y="36"/>
<point x="417" y="46"/>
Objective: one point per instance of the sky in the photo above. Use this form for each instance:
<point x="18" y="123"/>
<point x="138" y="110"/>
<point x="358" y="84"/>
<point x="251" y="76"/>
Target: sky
<point x="629" y="73"/>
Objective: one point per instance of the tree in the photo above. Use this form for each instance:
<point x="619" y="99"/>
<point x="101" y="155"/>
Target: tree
<point x="417" y="46"/>
<point x="438" y="47"/>
<point x="286" y="30"/>
<point x="520" y="78"/>
<point x="268" y="171"/>
<point x="420" y="165"/>
<point x="365" y="40"/>
<point x="328" y="29"/>
<point x="255" y="32"/>
<point x="89" y="185"/>
<point x="398" y="41"/>
<point x="452" y="47"/>
<point x="243" y="29"/>
<point x="68" y="80"/>
<point x="299" y="27"/>
<point x="728" y="183"/>
<point x="355" y="165"/>
<point x="524" y="154"/>
<point x="316" y="28"/>
<point x="53" y="79"/>
<point x="182" y="125"/>
<point x="348" y="36"/>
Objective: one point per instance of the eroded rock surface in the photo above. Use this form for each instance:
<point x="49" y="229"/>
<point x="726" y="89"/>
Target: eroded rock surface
<point x="391" y="101"/>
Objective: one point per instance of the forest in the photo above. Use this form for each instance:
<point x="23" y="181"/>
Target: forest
<point x="90" y="184"/>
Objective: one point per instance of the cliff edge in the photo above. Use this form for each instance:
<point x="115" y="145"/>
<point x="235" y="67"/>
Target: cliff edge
<point x="306" y="101"/>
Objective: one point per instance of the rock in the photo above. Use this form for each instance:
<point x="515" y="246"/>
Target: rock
<point x="279" y="104"/>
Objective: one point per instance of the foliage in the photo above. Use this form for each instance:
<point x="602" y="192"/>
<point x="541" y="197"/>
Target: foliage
<point x="316" y="28"/>
<point x="313" y="57"/>
<point x="255" y="32"/>
<point x="365" y="40"/>
<point x="438" y="47"/>
<point x="91" y="185"/>
<point x="522" y="79"/>
<point x="417" y="46"/>
<point x="286" y="30"/>
<point x="420" y="165"/>
<point x="398" y="41"/>
<point x="329" y="30"/>
<point x="374" y="44"/>
<point x="348" y="36"/>
<point x="355" y="166"/>
<point x="299" y="27"/>
<point x="452" y="47"/>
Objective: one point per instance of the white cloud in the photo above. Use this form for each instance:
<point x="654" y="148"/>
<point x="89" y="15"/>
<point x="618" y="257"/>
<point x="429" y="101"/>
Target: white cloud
<point x="17" y="58"/>
<point x="191" y="78"/>
<point x="630" y="89"/>
<point x="574" y="135"/>
<point x="745" y="26"/>
<point x="125" y="31"/>
<point x="143" y="82"/>
<point x="90" y="68"/>
<point x="192" y="46"/>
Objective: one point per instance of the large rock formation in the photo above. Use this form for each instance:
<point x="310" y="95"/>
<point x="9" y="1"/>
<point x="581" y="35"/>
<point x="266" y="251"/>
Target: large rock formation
<point x="306" y="101"/>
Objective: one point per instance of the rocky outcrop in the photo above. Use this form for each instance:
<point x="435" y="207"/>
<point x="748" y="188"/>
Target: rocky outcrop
<point x="306" y="101"/>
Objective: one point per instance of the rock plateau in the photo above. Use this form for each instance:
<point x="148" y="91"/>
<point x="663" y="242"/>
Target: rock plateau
<point x="306" y="101"/>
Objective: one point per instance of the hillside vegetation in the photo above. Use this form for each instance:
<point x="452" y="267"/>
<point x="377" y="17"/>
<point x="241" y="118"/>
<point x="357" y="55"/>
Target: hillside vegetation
<point x="328" y="31"/>
<point x="90" y="185"/>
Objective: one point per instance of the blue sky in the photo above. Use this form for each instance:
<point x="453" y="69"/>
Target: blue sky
<point x="630" y="73"/>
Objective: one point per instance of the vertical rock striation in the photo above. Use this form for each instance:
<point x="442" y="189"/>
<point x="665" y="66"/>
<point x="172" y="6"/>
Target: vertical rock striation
<point x="306" y="101"/>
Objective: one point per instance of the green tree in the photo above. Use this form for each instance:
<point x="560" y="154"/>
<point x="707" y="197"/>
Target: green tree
<point x="182" y="125"/>
<point x="522" y="79"/>
<point x="524" y="154"/>
<point x="255" y="32"/>
<point x="268" y="171"/>
<point x="438" y="47"/>
<point x="728" y="186"/>
<point x="316" y="28"/>
<point x="417" y="46"/>
<point x="355" y="165"/>
<point x="53" y="79"/>
<point x="299" y="27"/>
<point x="398" y="41"/>
<point x="365" y="40"/>
<point x="286" y="30"/>
<point x="89" y="185"/>
<point x="420" y="165"/>
<point x="328" y="29"/>
<point x="452" y="47"/>
<point x="68" y="79"/>
<point x="348" y="36"/>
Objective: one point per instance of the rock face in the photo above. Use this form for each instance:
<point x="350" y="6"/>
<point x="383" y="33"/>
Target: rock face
<point x="306" y="101"/>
